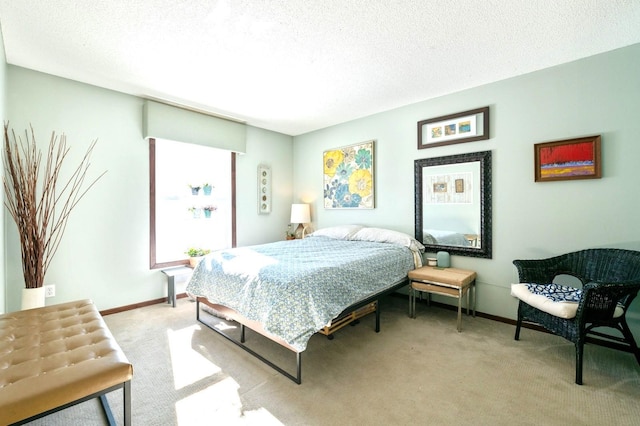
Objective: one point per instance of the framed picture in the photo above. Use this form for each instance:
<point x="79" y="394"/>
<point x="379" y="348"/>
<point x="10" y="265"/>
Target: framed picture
<point x="440" y="187"/>
<point x="348" y="177"/>
<point x="449" y="188"/>
<point x="568" y="159"/>
<point x="467" y="126"/>
<point x="459" y="185"/>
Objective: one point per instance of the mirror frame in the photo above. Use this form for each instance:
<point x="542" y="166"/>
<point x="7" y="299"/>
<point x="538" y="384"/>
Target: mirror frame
<point x="484" y="157"/>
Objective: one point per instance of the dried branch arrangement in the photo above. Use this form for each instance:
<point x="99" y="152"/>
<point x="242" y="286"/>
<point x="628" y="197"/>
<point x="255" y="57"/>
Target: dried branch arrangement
<point x="38" y="203"/>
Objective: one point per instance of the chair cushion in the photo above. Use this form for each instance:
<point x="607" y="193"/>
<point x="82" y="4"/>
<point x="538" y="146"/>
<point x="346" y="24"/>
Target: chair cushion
<point x="557" y="300"/>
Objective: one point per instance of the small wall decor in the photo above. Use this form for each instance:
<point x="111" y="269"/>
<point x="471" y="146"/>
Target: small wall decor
<point x="440" y="187"/>
<point x="348" y="177"/>
<point x="459" y="185"/>
<point x="568" y="159"/>
<point x="264" y="189"/>
<point x="452" y="188"/>
<point x="467" y="126"/>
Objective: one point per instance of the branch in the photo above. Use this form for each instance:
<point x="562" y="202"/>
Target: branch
<point x="41" y="220"/>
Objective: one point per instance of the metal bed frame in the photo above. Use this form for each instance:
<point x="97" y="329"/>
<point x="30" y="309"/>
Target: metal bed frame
<point x="297" y="378"/>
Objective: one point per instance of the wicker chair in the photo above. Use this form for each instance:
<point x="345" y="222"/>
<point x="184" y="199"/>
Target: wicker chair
<point x="610" y="279"/>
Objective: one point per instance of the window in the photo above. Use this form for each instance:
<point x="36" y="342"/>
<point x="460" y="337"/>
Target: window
<point x="181" y="218"/>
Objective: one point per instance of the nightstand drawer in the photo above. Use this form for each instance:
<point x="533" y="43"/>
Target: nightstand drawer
<point x="434" y="288"/>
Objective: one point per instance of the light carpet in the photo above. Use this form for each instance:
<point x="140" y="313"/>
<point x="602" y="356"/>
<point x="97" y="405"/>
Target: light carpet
<point x="415" y="371"/>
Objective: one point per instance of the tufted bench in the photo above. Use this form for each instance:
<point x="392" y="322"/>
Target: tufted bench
<point x="54" y="357"/>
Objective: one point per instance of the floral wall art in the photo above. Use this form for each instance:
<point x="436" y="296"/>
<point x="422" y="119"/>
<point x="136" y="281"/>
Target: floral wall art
<point x="348" y="177"/>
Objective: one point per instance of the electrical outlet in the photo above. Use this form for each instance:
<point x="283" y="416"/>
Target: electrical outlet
<point x="49" y="290"/>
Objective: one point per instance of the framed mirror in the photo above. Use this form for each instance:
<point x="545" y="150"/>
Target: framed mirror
<point x="453" y="204"/>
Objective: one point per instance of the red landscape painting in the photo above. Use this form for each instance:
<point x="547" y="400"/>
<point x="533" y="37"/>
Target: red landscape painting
<point x="575" y="159"/>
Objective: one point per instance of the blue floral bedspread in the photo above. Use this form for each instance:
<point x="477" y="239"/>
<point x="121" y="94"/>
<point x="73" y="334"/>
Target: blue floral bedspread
<point x="295" y="288"/>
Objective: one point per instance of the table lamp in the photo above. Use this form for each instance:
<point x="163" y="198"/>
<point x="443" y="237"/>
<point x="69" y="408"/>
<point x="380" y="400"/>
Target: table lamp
<point x="300" y="214"/>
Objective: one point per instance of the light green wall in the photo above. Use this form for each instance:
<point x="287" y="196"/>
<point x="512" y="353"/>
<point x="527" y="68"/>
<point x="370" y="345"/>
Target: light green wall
<point x="274" y="150"/>
<point x="104" y="255"/>
<point x="105" y="252"/>
<point x="597" y="95"/>
<point x="3" y="86"/>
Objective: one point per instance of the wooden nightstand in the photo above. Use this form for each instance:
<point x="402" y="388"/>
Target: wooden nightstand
<point x="451" y="282"/>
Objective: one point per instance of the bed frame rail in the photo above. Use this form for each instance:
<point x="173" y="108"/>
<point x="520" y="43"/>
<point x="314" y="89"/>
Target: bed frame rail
<point x="298" y="377"/>
<point x="240" y="343"/>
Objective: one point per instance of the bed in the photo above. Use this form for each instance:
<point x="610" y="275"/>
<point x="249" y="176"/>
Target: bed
<point x="289" y="290"/>
<point x="447" y="238"/>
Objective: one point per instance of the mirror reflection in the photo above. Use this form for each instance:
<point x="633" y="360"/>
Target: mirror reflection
<point x="453" y="203"/>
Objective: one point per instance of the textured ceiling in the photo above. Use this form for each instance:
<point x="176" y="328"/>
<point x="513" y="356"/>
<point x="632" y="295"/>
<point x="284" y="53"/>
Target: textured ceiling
<point x="300" y="65"/>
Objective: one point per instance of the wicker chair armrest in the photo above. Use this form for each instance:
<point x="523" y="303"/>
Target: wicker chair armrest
<point x="627" y="287"/>
<point x="601" y="299"/>
<point x="541" y="271"/>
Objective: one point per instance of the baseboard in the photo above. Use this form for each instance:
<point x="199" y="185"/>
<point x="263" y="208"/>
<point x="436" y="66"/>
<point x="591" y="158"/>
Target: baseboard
<point x="478" y="313"/>
<point x="509" y="321"/>
<point x="535" y="327"/>
<point x="400" y="295"/>
<point x="139" y="305"/>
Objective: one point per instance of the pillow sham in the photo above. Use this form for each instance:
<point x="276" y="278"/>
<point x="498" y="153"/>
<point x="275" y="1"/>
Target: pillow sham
<point x="381" y="235"/>
<point x="339" y="232"/>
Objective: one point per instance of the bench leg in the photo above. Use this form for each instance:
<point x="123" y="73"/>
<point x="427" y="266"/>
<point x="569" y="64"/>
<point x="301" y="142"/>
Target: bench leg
<point x="107" y="410"/>
<point x="126" y="391"/>
<point x="126" y="395"/>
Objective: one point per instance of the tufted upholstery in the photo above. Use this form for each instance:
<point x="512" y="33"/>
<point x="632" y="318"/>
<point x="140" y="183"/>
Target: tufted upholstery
<point x="54" y="356"/>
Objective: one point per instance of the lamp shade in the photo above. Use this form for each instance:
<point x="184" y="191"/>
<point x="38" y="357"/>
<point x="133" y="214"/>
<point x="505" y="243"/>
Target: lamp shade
<point x="300" y="213"/>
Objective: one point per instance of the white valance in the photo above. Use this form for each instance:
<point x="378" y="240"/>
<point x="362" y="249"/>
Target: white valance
<point x="163" y="121"/>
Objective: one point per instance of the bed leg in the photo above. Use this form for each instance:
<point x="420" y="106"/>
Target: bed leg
<point x="298" y="379"/>
<point x="377" y="317"/>
<point x="242" y="333"/>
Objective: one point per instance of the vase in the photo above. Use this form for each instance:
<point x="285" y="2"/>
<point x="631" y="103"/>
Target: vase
<point x="32" y="298"/>
<point x="207" y="213"/>
<point x="443" y="259"/>
<point x="206" y="190"/>
<point x="194" y="260"/>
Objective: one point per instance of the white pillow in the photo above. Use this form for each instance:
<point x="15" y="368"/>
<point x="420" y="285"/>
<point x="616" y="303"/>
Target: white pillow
<point x="380" y="235"/>
<point x="340" y="232"/>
